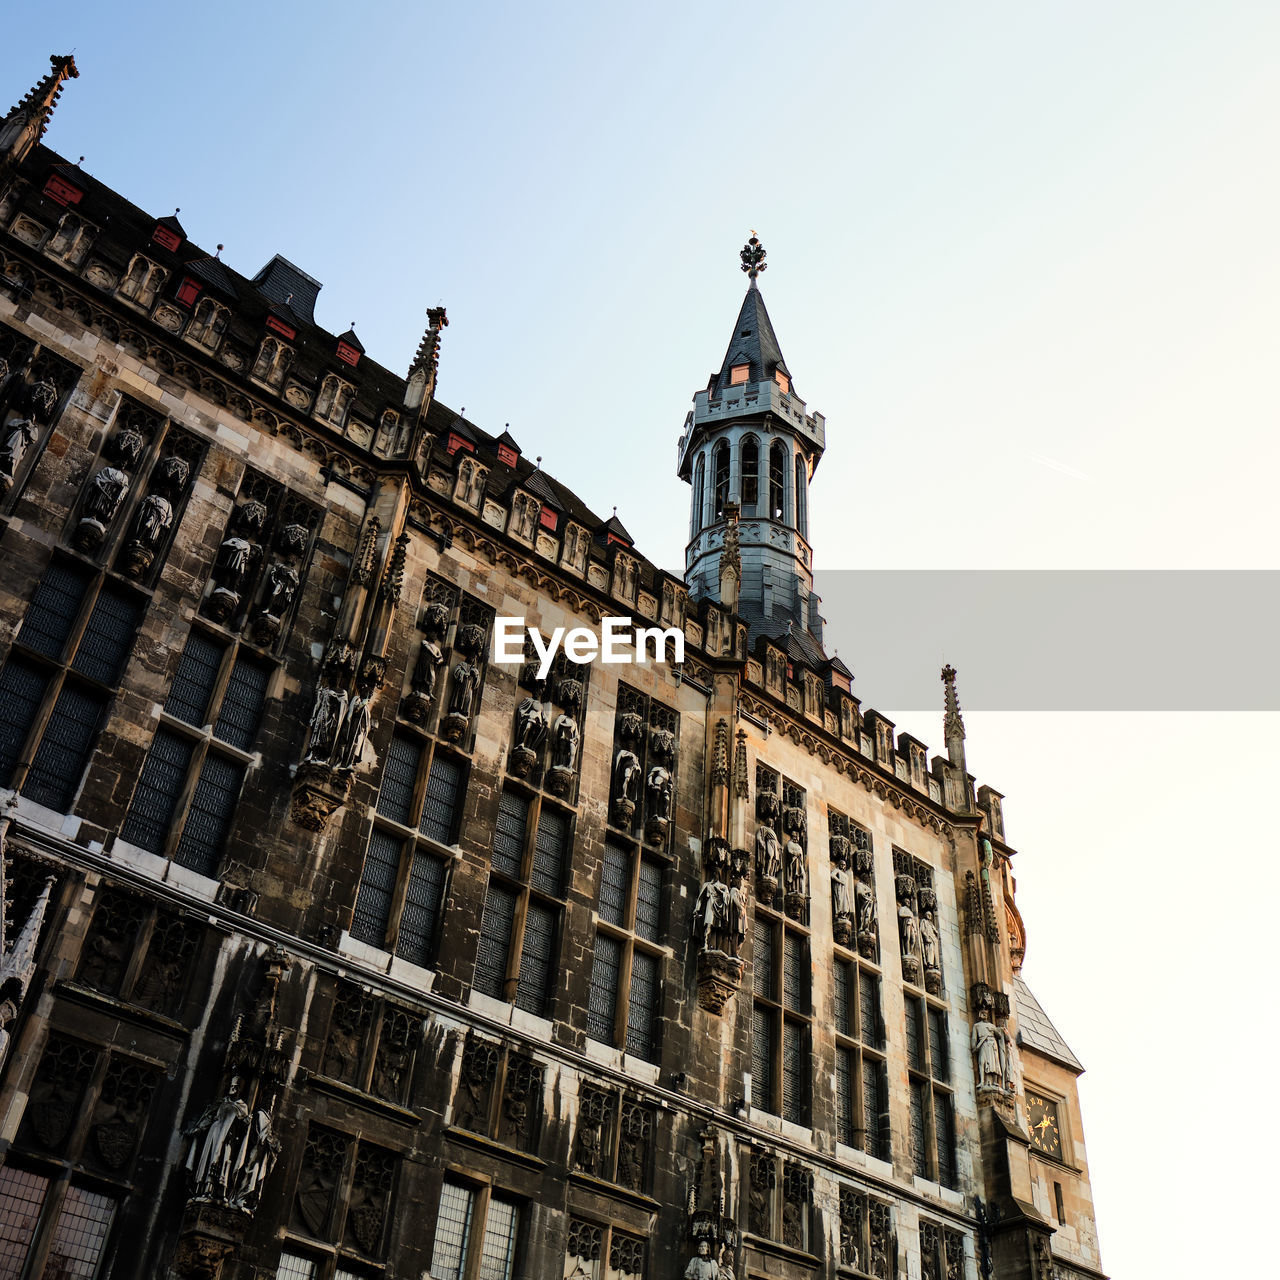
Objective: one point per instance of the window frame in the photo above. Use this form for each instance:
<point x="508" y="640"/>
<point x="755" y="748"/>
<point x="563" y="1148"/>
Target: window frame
<point x="933" y="1087"/>
<point x="626" y="933"/>
<point x="480" y="1198"/>
<point x="862" y="1045"/>
<point x="413" y="843"/>
<point x="773" y="1005"/>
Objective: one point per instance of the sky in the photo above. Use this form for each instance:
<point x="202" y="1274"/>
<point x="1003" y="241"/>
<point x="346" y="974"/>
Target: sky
<point x="1022" y="257"/>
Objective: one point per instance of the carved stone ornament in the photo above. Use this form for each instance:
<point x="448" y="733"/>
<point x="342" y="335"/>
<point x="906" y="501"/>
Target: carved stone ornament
<point x="318" y="790"/>
<point x="719" y="977"/>
<point x="200" y="1257"/>
<point x="470" y="640"/>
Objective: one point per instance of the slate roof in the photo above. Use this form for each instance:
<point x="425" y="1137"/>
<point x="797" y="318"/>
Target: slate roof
<point x="1037" y="1032"/>
<point x="289" y="286"/>
<point x="538" y="485"/>
<point x="615" y="526"/>
<point x="351" y="340"/>
<point x="510" y="441"/>
<point x="753" y="342"/>
<point x="212" y="273"/>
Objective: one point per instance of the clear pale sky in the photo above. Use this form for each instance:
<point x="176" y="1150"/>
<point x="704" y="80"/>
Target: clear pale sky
<point x="1024" y="259"/>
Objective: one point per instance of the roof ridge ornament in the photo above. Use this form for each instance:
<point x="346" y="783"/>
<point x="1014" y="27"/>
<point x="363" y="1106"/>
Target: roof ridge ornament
<point x="753" y="255"/>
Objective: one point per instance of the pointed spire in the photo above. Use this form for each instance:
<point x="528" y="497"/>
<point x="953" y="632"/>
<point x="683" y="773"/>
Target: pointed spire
<point x="426" y="361"/>
<point x="730" y="559"/>
<point x="25" y="124"/>
<point x="753" y="345"/>
<point x="952" y="724"/>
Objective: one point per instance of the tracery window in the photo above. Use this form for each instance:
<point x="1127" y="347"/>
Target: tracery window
<point x="625" y="1000"/>
<point x="371" y="1044"/>
<point x="208" y="323"/>
<point x="779" y="1199"/>
<point x="614" y="1138"/>
<point x="71" y="240"/>
<point x="274" y="359"/>
<point x="777" y="481"/>
<point x="941" y="1252"/>
<point x="343" y="1198"/>
<point x="599" y="1251"/>
<point x="499" y="1094"/>
<point x="142" y="281"/>
<point x="334" y="400"/>
<point x="867" y="1246"/>
<point x="699" y="493"/>
<point x="750" y="474"/>
<point x="720" y="482"/>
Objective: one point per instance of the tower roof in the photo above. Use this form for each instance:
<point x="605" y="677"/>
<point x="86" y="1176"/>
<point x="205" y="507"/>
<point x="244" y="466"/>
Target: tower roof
<point x="753" y="343"/>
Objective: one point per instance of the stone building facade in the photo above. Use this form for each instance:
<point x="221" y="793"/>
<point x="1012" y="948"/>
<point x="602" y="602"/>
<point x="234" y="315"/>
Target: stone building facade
<point x="335" y="946"/>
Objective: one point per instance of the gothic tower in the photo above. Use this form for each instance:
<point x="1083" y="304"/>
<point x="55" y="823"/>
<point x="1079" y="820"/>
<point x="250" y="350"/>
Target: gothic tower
<point x="749" y="451"/>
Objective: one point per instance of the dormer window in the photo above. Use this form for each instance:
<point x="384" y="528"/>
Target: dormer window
<point x="548" y="519"/>
<point x="188" y="292"/>
<point x="334" y="400"/>
<point x="783" y="381"/>
<point x="508" y="457"/>
<point x="142" y="281"/>
<point x="738" y="374"/>
<point x="166" y="238"/>
<point x="348" y="354"/>
<point x="276" y="325"/>
<point x="456" y="442"/>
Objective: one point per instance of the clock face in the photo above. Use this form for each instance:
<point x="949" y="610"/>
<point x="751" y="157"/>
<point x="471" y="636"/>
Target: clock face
<point x="1043" y="1116"/>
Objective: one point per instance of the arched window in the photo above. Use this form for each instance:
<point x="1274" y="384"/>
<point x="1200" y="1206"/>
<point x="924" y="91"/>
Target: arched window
<point x="802" y="497"/>
<point x="207" y="323"/>
<point x="334" y="399"/>
<point x="699" y="493"/>
<point x="777" y="481"/>
<point x="750" y="474"/>
<point x="273" y="359"/>
<point x="720" y="468"/>
<point x="142" y="281"/>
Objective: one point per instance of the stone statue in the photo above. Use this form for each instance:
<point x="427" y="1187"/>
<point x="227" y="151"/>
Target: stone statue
<point x="235" y="558"/>
<point x="736" y="918"/>
<point x="702" y="1266"/>
<point x="281" y="587"/>
<point x="564" y="746"/>
<point x="466" y="678"/>
<point x="720" y="917"/>
<point x="105" y="493"/>
<point x="257" y="1156"/>
<point x="987" y="1040"/>
<point x="908" y="930"/>
<point x="842" y="895"/>
<point x="153" y="520"/>
<point x="866" y="907"/>
<point x="426" y="669"/>
<point x="326" y="717"/>
<point x="353" y="732"/>
<point x="930" y="951"/>
<point x="218" y="1139"/>
<point x="797" y="872"/>
<point x="768" y="858"/>
<point x="531" y="725"/>
<point x="658" y="787"/>
<point x="626" y="772"/>
<point x="22" y="435"/>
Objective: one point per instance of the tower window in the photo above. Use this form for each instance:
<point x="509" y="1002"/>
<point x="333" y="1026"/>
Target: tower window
<point x="782" y="380"/>
<point x="750" y="473"/>
<point x="777" y="481"/>
<point x="699" y="493"/>
<point x="720" y="465"/>
<point x="802" y="497"/>
<point x="738" y="374"/>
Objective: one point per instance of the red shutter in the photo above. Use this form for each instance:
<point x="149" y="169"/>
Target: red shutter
<point x="62" y="191"/>
<point x="507" y="455"/>
<point x="348" y="354"/>
<point x="279" y="326"/>
<point x="188" y="291"/>
<point x="456" y="442"/>
<point x="165" y="238"/>
<point x="548" y="518"/>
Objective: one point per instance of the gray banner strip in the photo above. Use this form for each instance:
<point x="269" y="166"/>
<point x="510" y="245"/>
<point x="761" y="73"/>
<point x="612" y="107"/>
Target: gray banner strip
<point x="1058" y="640"/>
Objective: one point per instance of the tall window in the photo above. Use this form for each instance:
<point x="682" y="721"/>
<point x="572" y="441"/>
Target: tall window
<point x="750" y="474"/>
<point x="476" y="1234"/>
<point x="519" y="932"/>
<point x="933" y="1138"/>
<point x="780" y="1018"/>
<point x="274" y="359"/>
<point x="71" y="241"/>
<point x="699" y="492"/>
<point x="190" y="783"/>
<point x="777" y="481"/>
<point x="417" y="817"/>
<point x="625" y="1000"/>
<point x="802" y="496"/>
<point x="55" y="687"/>
<point x="862" y="1097"/>
<point x="720" y="469"/>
